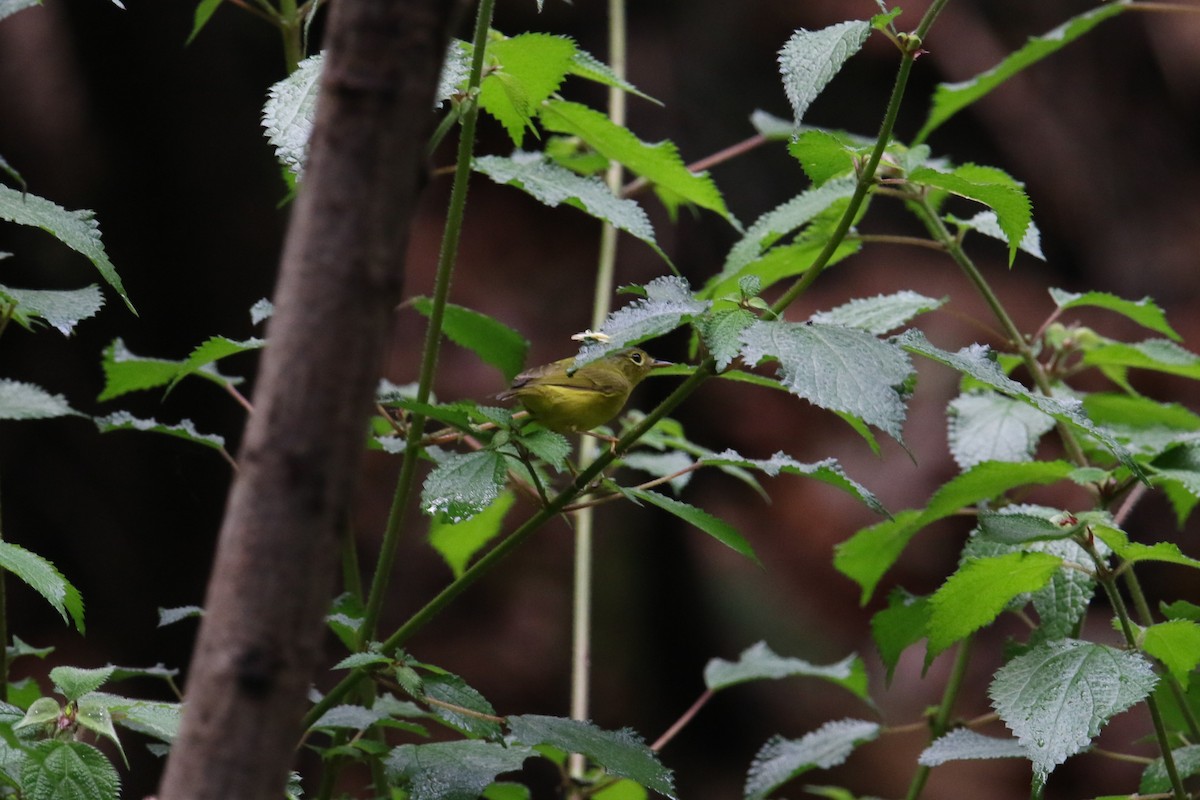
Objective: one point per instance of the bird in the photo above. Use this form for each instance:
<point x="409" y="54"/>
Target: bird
<point x="567" y="401"/>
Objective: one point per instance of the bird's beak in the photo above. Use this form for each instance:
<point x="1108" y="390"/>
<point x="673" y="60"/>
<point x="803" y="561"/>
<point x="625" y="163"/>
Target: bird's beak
<point x="659" y="363"/>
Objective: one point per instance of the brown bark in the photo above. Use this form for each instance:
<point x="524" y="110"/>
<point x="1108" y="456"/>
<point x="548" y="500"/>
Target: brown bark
<point x="340" y="279"/>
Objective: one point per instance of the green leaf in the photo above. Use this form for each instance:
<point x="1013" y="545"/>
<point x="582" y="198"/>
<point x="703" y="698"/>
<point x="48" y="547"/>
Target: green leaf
<point x="586" y="65"/>
<point x="810" y="59"/>
<point x="45" y="579"/>
<point x="720" y="530"/>
<point x="1057" y="696"/>
<point x="1011" y="527"/>
<point x="827" y="470"/>
<point x="1132" y="552"/>
<point x="899" y="626"/>
<point x="658" y="163"/>
<point x="1156" y="779"/>
<point x="837" y="368"/>
<point x="551" y="184"/>
<point x="61" y="309"/>
<point x="1144" y="312"/>
<point x="978" y="362"/>
<point x="349" y="717"/>
<point x="991" y="187"/>
<point x="125" y="372"/>
<point x="867" y="555"/>
<point x="455" y="69"/>
<point x="985" y="426"/>
<point x="57" y="770"/>
<point x="1176" y="643"/>
<point x="78" y="230"/>
<point x="40" y="712"/>
<point x="494" y="342"/>
<point x="879" y="314"/>
<point x="213" y="350"/>
<point x="184" y="429"/>
<point x="74" y="682"/>
<point x="289" y="112"/>
<point x="93" y="714"/>
<point x="780" y="760"/>
<point x="988" y="224"/>
<point x="454" y="693"/>
<point x="980" y="591"/>
<point x="463" y="484"/>
<point x="964" y="744"/>
<point x="520" y="73"/>
<point x="722" y="333"/>
<point x="772" y="226"/>
<point x="823" y="154"/>
<point x="673" y="463"/>
<point x="1158" y="355"/>
<point x="758" y="662"/>
<point x="7" y="9"/>
<point x="459" y="542"/>
<point x="668" y="303"/>
<point x="621" y="753"/>
<point x="157" y="719"/>
<point x="458" y="770"/>
<point x="950" y="98"/>
<point x="204" y="11"/>
<point x="20" y="400"/>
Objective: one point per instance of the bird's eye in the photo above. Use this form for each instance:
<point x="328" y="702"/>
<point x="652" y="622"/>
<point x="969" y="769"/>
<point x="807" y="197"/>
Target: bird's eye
<point x="636" y="357"/>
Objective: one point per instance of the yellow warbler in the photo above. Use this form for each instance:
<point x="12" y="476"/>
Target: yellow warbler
<point x="590" y="396"/>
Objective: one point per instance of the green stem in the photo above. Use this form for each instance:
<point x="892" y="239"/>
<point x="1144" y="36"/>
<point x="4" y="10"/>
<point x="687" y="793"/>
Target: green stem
<point x="291" y="27"/>
<point x="433" y="335"/>
<point x="581" y="637"/>
<point x="1147" y="619"/>
<point x="941" y="720"/>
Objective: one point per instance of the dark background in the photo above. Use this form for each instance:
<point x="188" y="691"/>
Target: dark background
<point x="108" y="110"/>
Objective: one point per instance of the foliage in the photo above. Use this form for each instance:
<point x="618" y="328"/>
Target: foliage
<point x="1055" y="690"/>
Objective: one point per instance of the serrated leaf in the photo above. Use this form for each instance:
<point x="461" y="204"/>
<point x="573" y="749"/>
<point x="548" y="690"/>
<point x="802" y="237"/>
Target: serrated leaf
<point x="879" y="314"/>
<point x="1057" y="696"/>
<point x="772" y="226"/>
<point x="454" y="694"/>
<point x="125" y="372"/>
<point x="1009" y="527"/>
<point x="822" y="154"/>
<point x="459" y="542"/>
<point x="988" y="224"/>
<point x="349" y="717"/>
<point x="212" y="350"/>
<point x="169" y="616"/>
<point x="1145" y="312"/>
<point x="184" y="429"/>
<point x="977" y="362"/>
<point x="586" y="65"/>
<point x="458" y="770"/>
<point x="7" y="9"/>
<point x="867" y="555"/>
<point x="74" y="682"/>
<point x="148" y="717"/>
<point x="950" y="98"/>
<point x="658" y="163"/>
<point x="1176" y="643"/>
<point x="1156" y="779"/>
<point x="551" y="184"/>
<point x="463" y="484"/>
<point x="520" y="73"/>
<point x="455" y="69"/>
<point x="836" y="368"/>
<point x="780" y="760"/>
<point x="92" y="713"/>
<point x="45" y="579"/>
<point x="40" y="712"/>
<point x="980" y="591"/>
<point x="20" y="400"/>
<point x="668" y="303"/>
<point x="62" y="309"/>
<point x="1158" y="355"/>
<point x="985" y="426"/>
<point x="722" y="333"/>
<point x="827" y="470"/>
<point x="720" y="530"/>
<point x="57" y="770"/>
<point x="1132" y="552"/>
<point x="810" y="59"/>
<point x="991" y="187"/>
<point x="78" y="230"/>
<point x="759" y="662"/>
<point x="621" y="753"/>
<point x="289" y="112"/>
<point x="964" y="744"/>
<point x="899" y="626"/>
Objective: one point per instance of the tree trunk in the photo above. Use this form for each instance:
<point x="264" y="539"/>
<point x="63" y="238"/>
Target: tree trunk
<point x="340" y="279"/>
